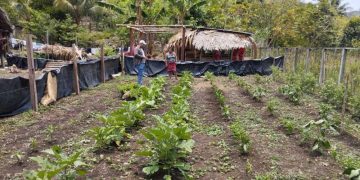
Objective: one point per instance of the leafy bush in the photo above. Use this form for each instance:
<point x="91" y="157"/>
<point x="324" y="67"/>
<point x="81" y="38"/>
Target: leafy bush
<point x="308" y="83"/>
<point x="320" y="142"/>
<point x="355" y="106"/>
<point x="167" y="147"/>
<point x="277" y="74"/>
<point x="293" y="93"/>
<point x="333" y="93"/>
<point x="241" y="135"/>
<point x="57" y="165"/>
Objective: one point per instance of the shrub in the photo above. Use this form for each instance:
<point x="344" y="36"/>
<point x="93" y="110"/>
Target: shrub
<point x="209" y="76"/>
<point x="232" y="76"/>
<point x="277" y="74"/>
<point x="257" y="93"/>
<point x="167" y="147"/>
<point x="355" y="106"/>
<point x="308" y="83"/>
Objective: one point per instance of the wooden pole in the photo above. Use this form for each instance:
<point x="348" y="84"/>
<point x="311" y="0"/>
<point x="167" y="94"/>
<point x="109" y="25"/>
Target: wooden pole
<point x="307" y="62"/>
<point x="102" y="64"/>
<point x="76" y="74"/>
<point x="342" y="65"/>
<point x="183" y="43"/>
<point x="32" y="81"/>
<point x="296" y="59"/>
<point x="285" y="58"/>
<point x="132" y="42"/>
<point x="322" y="67"/>
<point x="260" y="53"/>
<point x="122" y="58"/>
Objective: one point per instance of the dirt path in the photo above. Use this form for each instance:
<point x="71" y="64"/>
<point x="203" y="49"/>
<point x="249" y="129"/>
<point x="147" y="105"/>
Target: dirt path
<point x="54" y="125"/>
<point x="273" y="151"/>
<point x="214" y="156"/>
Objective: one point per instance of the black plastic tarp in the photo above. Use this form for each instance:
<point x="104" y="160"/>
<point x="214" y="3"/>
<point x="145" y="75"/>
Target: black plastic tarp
<point x="21" y="62"/>
<point x="15" y="95"/>
<point x="262" y="67"/>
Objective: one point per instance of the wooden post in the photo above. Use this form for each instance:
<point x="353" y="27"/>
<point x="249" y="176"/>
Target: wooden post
<point x="102" y="64"/>
<point x="122" y="57"/>
<point x="132" y="41"/>
<point x="285" y="58"/>
<point x="260" y="53"/>
<point x="322" y="67"/>
<point x="307" y="62"/>
<point x="278" y="51"/>
<point x="296" y="59"/>
<point x="76" y="75"/>
<point x="183" y="43"/>
<point x="32" y="81"/>
<point x="342" y="65"/>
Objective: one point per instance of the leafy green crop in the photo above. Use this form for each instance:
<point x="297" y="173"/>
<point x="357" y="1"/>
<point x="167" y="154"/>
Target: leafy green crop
<point x="241" y="135"/>
<point x="355" y="107"/>
<point x="209" y="76"/>
<point x="257" y="93"/>
<point x="129" y="90"/>
<point x="288" y="124"/>
<point x="232" y="76"/>
<point x="167" y="147"/>
<point x="293" y="92"/>
<point x="57" y="165"/>
<point x="333" y="93"/>
<point x="272" y="106"/>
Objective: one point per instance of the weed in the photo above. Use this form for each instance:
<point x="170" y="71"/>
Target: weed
<point x="209" y="76"/>
<point x="19" y="156"/>
<point x="258" y="93"/>
<point x="49" y="133"/>
<point x="214" y="130"/>
<point x="277" y="74"/>
<point x="33" y="145"/>
<point x="248" y="167"/>
<point x="232" y="76"/>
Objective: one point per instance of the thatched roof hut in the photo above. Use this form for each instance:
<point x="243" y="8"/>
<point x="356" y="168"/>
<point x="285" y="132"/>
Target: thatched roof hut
<point x="207" y="39"/>
<point x="5" y="25"/>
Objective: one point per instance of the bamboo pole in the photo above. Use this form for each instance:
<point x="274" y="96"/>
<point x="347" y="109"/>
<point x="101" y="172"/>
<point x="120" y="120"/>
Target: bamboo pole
<point x="32" y="81"/>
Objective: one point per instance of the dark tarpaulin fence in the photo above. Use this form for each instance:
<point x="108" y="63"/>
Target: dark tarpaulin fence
<point x="242" y="68"/>
<point x="21" y="62"/>
<point x="15" y="93"/>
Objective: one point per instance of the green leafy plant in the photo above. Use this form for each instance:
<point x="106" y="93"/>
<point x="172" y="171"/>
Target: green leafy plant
<point x="241" y="135"/>
<point x="19" y="156"/>
<point x="272" y="106"/>
<point x="57" y="165"/>
<point x="288" y="124"/>
<point x="258" y="93"/>
<point x="167" y="146"/>
<point x="214" y="130"/>
<point x="308" y="83"/>
<point x="277" y="74"/>
<point x="50" y="132"/>
<point x="354" y="174"/>
<point x="232" y="76"/>
<point x="332" y="93"/>
<point x="129" y="90"/>
<point x="293" y="92"/>
<point x="355" y="107"/>
<point x="320" y="142"/>
<point x="209" y="76"/>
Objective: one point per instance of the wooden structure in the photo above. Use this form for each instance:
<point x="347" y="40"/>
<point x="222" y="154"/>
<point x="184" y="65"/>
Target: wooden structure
<point x="148" y="30"/>
<point x="5" y="31"/>
<point x="200" y="40"/>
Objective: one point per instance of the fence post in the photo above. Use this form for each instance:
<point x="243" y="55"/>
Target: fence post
<point x="102" y="64"/>
<point x="285" y="58"/>
<point x="260" y="52"/>
<point x="342" y="65"/>
<point x="296" y="59"/>
<point x="76" y="74"/>
<point x="32" y="81"/>
<point x="322" y="67"/>
<point x="183" y="43"/>
<point x="307" y="62"/>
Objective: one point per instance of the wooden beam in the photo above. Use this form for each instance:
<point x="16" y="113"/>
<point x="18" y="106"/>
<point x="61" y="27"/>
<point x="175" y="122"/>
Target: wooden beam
<point x="322" y="67"/>
<point x="183" y="43"/>
<point x="342" y="66"/>
<point x="76" y="74"/>
<point x="32" y="81"/>
<point x="137" y="25"/>
<point x="102" y="64"/>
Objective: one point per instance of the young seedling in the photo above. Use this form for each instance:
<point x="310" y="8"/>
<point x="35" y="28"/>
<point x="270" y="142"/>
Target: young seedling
<point x="33" y="145"/>
<point x="19" y="156"/>
<point x="272" y="106"/>
<point x="288" y="124"/>
<point x="49" y="133"/>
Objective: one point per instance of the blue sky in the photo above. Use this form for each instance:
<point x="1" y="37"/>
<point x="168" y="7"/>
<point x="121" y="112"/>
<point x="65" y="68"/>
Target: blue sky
<point x="352" y="4"/>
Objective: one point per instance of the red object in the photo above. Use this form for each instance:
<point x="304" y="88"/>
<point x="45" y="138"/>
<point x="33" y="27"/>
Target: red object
<point x="234" y="54"/>
<point x="241" y="54"/>
<point x="217" y="55"/>
<point x="171" y="67"/>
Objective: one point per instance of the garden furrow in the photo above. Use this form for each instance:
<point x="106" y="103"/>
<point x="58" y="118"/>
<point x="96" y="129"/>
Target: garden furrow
<point x="215" y="155"/>
<point x="273" y="150"/>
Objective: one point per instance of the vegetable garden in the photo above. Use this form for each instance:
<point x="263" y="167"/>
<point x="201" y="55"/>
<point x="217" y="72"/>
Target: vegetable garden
<point x="283" y="126"/>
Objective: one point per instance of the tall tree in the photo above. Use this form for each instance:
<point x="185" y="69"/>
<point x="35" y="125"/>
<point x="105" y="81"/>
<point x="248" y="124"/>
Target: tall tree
<point x="76" y="8"/>
<point x="182" y="8"/>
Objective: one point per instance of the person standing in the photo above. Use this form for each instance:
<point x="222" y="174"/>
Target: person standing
<point x="139" y="60"/>
<point x="171" y="63"/>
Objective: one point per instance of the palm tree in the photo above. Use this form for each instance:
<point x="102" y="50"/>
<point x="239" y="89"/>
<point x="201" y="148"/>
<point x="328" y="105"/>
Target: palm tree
<point x="23" y="8"/>
<point x="183" y="7"/>
<point x="76" y="8"/>
<point x="339" y="6"/>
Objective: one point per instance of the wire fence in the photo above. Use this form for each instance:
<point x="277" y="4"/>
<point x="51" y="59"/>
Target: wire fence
<point x="327" y="64"/>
